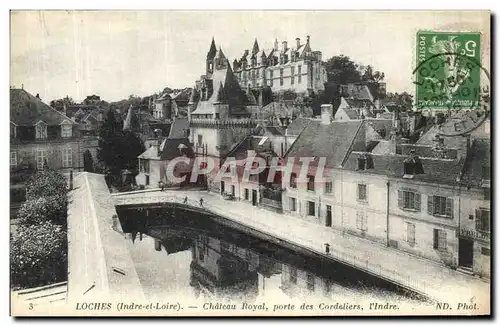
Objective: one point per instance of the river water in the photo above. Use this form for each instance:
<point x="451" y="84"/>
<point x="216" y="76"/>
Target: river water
<point x="190" y="258"/>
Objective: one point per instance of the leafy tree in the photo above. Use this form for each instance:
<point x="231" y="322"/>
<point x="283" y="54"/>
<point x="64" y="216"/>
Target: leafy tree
<point x="342" y="70"/>
<point x="404" y="99"/>
<point x="58" y="104"/>
<point x="47" y="182"/>
<point x="109" y="150"/>
<point x="372" y="76"/>
<point x="38" y="210"/>
<point x="38" y="255"/>
<point x="88" y="161"/>
<point x="132" y="146"/>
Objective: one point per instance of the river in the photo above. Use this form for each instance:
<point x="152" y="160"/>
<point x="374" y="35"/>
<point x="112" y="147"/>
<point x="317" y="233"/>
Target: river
<point x="187" y="257"/>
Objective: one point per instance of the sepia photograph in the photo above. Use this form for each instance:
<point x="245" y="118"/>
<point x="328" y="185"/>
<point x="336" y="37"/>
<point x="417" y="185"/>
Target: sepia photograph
<point x="206" y="163"/>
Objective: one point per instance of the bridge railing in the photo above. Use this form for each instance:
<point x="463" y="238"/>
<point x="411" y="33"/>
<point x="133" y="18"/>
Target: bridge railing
<point x="353" y="260"/>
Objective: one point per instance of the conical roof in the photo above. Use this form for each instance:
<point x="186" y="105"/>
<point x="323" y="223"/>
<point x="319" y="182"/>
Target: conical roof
<point x="213" y="50"/>
<point x="255" y="48"/>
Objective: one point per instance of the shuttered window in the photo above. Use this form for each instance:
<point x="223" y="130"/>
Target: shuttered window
<point x="410" y="233"/>
<point x="361" y="221"/>
<point x="409" y="200"/>
<point x="482" y="220"/>
<point x="440" y="240"/>
<point x="440" y="206"/>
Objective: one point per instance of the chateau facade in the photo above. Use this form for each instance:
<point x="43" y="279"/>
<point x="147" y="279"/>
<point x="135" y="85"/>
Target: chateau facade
<point x="298" y="68"/>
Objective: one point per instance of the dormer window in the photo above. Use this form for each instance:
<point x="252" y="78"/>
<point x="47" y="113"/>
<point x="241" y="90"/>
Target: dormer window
<point x="67" y="129"/>
<point x="41" y="130"/>
<point x="365" y="162"/>
<point x="412" y="166"/>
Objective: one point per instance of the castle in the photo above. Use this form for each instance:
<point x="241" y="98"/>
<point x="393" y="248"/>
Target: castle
<point x="290" y="68"/>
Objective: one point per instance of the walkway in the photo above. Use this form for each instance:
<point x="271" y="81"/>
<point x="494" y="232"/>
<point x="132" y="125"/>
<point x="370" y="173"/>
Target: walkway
<point x="421" y="275"/>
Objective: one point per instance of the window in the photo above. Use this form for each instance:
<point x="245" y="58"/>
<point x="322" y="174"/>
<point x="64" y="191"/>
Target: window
<point x="362" y="192"/>
<point x="281" y="77"/>
<point x="200" y="140"/>
<point x="440" y="239"/>
<point x="311" y="208"/>
<point x="408" y="200"/>
<point x="485" y="251"/>
<point x="292" y="74"/>
<point x="41" y="130"/>
<point x="310" y="183"/>
<point x="271" y="81"/>
<point x="299" y="72"/>
<point x="247" y="194"/>
<point x="67" y="157"/>
<point x="13" y="159"/>
<point x="66" y="130"/>
<point x="13" y="130"/>
<point x="487" y="194"/>
<point x="483" y="220"/>
<point x="293" y="181"/>
<point x="293" y="204"/>
<point x="310" y="282"/>
<point x="328" y="187"/>
<point x="410" y="233"/>
<point x="361" y="221"/>
<point x="440" y="206"/>
<point x="293" y="275"/>
<point x="41" y="156"/>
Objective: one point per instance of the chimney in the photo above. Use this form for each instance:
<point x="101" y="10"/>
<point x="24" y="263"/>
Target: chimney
<point x="285" y="44"/>
<point x="326" y="114"/>
<point x="298" y="42"/>
<point x="37" y="96"/>
<point x="276" y="44"/>
<point x="308" y="38"/>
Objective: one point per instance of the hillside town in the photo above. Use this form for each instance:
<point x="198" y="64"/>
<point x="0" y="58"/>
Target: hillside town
<point x="390" y="178"/>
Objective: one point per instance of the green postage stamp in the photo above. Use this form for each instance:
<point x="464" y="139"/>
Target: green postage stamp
<point x="448" y="70"/>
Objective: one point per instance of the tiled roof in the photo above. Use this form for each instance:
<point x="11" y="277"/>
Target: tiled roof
<point x="331" y="141"/>
<point x="351" y="113"/>
<point x="235" y="95"/>
<point x="478" y="163"/>
<point x="429" y="137"/>
<point x="27" y="110"/>
<point x="355" y="103"/>
<point x="435" y="171"/>
<point x="297" y="126"/>
<point x="381" y="124"/>
<point x="177" y="130"/>
<point x="170" y="148"/>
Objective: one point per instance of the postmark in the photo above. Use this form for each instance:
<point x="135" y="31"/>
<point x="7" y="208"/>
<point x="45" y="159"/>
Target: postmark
<point x="448" y="73"/>
<point x="452" y="82"/>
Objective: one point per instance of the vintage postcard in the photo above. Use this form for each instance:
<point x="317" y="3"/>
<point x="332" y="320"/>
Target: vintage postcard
<point x="250" y="163"/>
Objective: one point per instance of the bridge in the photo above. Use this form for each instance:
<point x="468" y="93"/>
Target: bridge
<point x="100" y="265"/>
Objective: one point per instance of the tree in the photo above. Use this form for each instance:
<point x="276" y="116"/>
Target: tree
<point x="45" y="183"/>
<point x="132" y="146"/>
<point x="59" y="104"/>
<point x="109" y="150"/>
<point x="88" y="161"/>
<point x="342" y="70"/>
<point x="404" y="99"/>
<point x="370" y="75"/>
<point x="38" y="255"/>
<point x="38" y="210"/>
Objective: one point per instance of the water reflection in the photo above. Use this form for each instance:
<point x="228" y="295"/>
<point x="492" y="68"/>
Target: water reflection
<point x="202" y="260"/>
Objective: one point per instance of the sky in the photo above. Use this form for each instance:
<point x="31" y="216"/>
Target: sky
<point x="118" y="53"/>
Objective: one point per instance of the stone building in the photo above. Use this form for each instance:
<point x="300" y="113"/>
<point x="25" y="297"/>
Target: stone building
<point x="41" y="135"/>
<point x="297" y="68"/>
<point x="430" y="200"/>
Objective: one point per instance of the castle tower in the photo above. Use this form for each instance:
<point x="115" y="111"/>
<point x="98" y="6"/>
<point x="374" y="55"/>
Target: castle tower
<point x="220" y="60"/>
<point x="210" y="57"/>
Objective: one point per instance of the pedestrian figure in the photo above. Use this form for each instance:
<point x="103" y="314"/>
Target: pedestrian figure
<point x="201" y="202"/>
<point x="185" y="200"/>
<point x="327" y="248"/>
